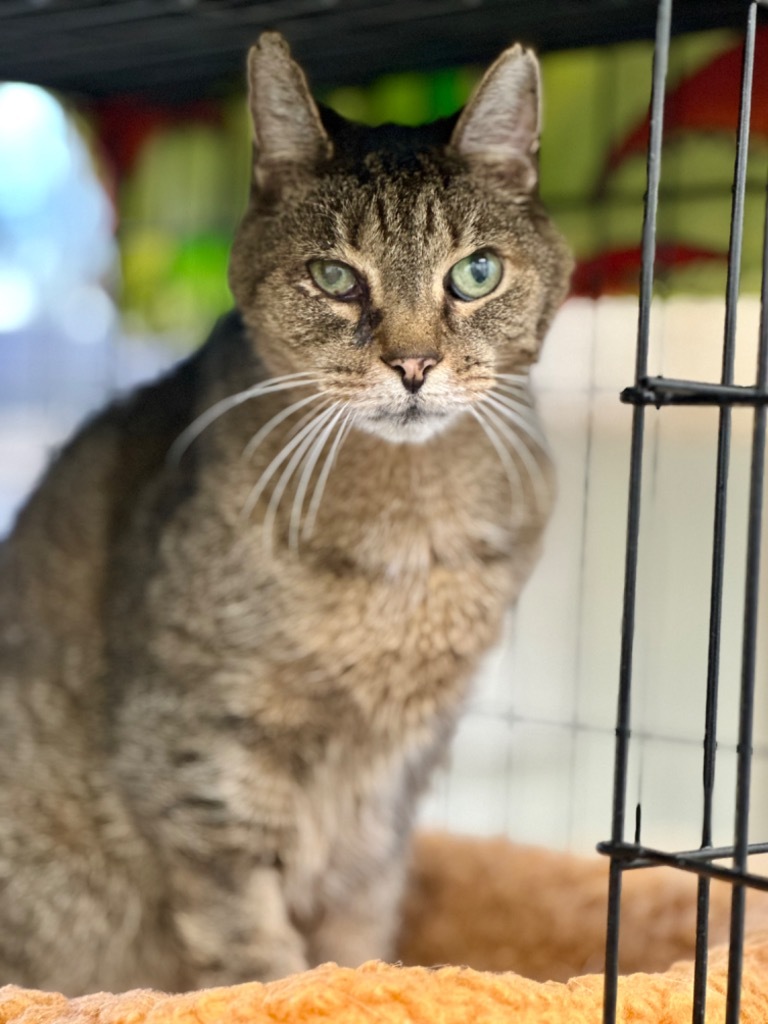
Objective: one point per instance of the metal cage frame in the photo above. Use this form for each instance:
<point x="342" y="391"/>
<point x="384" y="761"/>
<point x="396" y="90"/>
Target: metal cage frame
<point x="705" y="862"/>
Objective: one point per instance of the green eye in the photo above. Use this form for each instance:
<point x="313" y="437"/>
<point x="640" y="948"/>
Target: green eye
<point x="335" y="278"/>
<point x="475" y="276"/>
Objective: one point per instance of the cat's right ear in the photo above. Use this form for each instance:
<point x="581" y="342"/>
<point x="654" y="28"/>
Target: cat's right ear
<point x="497" y="132"/>
<point x="288" y="133"/>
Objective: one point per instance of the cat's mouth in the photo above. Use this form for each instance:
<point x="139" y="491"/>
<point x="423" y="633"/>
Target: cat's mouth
<point x="413" y="423"/>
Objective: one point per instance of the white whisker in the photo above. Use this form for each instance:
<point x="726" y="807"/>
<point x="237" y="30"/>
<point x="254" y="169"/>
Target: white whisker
<point x="322" y="480"/>
<point x="205" y="419"/>
<point x="519" y="391"/>
<point x="276" y="420"/>
<point x="310" y="435"/>
<point x="516" y="412"/>
<point x="512" y="376"/>
<point x="523" y="453"/>
<point x="296" y="427"/>
<point x="306" y="474"/>
<point x="510" y="467"/>
<point x="515" y="399"/>
<point x="284" y="453"/>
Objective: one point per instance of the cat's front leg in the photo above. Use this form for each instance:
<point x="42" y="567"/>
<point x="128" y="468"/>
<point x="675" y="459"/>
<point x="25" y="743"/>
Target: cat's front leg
<point x="363" y="922"/>
<point x="238" y="936"/>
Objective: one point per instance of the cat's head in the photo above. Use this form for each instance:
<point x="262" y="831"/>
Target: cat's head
<point x="404" y="267"/>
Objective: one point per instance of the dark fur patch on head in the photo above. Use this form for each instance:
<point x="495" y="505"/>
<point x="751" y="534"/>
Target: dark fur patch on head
<point x="397" y="147"/>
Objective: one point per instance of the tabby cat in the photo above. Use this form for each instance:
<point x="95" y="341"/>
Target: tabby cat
<point x="239" y="615"/>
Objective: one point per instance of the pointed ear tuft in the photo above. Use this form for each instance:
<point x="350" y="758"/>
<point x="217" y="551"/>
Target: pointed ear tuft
<point x="287" y="128"/>
<point x="498" y="130"/>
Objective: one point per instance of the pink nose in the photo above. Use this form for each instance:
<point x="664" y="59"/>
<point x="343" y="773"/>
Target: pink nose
<point x="412" y="369"/>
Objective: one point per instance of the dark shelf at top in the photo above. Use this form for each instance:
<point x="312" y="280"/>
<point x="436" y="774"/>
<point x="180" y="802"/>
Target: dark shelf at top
<point x="180" y="50"/>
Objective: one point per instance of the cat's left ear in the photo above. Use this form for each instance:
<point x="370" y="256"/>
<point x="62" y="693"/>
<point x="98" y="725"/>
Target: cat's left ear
<point x="288" y="133"/>
<point x="498" y="130"/>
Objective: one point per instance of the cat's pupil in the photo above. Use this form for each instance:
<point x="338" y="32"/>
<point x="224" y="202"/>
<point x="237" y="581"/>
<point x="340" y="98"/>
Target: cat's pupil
<point x="333" y="275"/>
<point x="479" y="269"/>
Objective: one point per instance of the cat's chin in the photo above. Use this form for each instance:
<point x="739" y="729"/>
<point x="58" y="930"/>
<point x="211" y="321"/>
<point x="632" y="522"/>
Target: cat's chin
<point x="406" y="428"/>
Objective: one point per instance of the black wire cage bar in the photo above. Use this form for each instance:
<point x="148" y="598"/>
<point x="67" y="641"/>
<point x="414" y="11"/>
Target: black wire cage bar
<point x="658" y="391"/>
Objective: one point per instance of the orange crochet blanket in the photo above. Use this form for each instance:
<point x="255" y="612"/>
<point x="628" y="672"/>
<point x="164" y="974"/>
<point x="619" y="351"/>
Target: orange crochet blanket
<point x="496" y="906"/>
<point x="500" y="906"/>
<point x="380" y="994"/>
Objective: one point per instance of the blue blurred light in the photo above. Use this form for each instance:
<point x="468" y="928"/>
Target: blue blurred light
<point x="35" y="149"/>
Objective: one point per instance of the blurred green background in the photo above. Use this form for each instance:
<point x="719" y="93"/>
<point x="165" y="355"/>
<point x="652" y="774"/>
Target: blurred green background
<point x="179" y="176"/>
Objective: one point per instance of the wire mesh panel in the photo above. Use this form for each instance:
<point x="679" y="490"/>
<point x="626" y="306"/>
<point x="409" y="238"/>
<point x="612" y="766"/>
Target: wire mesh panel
<point x="707" y="861"/>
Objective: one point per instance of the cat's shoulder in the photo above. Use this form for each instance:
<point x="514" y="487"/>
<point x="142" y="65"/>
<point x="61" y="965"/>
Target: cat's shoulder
<point x="105" y="464"/>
